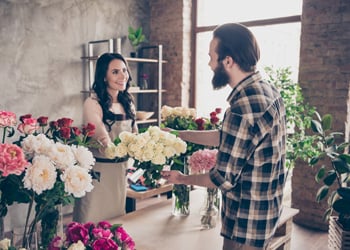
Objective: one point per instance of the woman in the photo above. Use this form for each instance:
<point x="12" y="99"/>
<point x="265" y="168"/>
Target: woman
<point x="111" y="108"/>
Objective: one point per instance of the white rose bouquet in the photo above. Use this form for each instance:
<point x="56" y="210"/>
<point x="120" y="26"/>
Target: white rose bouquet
<point x="151" y="150"/>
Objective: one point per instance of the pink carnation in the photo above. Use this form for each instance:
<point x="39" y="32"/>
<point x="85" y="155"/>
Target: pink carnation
<point x="76" y="232"/>
<point x="104" y="244"/>
<point x="12" y="160"/>
<point x="202" y="160"/>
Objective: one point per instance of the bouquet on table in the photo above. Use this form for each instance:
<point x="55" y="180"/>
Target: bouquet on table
<point x="44" y="169"/>
<point x="182" y="118"/>
<point x="151" y="150"/>
<point x="91" y="236"/>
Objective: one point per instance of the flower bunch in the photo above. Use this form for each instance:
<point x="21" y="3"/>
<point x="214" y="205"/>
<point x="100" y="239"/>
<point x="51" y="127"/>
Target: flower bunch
<point x="90" y="236"/>
<point x="45" y="168"/>
<point x="151" y="150"/>
<point x="202" y="160"/>
<point x="182" y="118"/>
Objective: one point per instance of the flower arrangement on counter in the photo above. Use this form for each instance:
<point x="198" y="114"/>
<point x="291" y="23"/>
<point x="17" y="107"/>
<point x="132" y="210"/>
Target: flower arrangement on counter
<point x="101" y="236"/>
<point x="182" y="118"/>
<point x="44" y="168"/>
<point x="151" y="150"/>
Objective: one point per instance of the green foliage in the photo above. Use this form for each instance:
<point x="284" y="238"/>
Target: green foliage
<point x="299" y="114"/>
<point x="136" y="37"/>
<point x="338" y="174"/>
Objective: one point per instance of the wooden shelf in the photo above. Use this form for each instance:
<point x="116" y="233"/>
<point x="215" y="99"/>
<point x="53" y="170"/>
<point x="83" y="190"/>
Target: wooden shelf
<point x="129" y="59"/>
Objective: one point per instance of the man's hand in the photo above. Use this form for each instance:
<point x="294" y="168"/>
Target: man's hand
<point x="173" y="176"/>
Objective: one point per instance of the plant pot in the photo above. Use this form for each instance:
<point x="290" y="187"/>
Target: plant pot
<point x="338" y="238"/>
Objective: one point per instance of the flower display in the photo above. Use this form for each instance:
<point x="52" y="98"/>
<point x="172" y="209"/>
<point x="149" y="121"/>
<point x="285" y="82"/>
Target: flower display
<point x="102" y="236"/>
<point x="151" y="150"/>
<point x="182" y="118"/>
<point x="44" y="168"/>
<point x="202" y="160"/>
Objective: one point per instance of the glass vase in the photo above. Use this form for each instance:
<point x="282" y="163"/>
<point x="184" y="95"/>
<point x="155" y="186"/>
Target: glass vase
<point x="25" y="238"/>
<point x="209" y="210"/>
<point x="181" y="200"/>
<point x="51" y="225"/>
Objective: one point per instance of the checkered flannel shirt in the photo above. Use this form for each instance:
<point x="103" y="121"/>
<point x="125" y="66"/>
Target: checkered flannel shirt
<point x="250" y="169"/>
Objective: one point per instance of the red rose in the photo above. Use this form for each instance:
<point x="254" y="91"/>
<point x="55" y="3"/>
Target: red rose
<point x="53" y="125"/>
<point x="42" y="120"/>
<point x="65" y="133"/>
<point x="89" y="129"/>
<point x="200" y="122"/>
<point x="21" y="118"/>
<point x="65" y="122"/>
<point x="218" y="110"/>
<point x="76" y="131"/>
<point x="214" y="120"/>
<point x="213" y="114"/>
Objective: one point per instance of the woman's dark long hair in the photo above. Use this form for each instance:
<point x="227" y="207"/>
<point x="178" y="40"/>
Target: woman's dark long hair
<point x="100" y="88"/>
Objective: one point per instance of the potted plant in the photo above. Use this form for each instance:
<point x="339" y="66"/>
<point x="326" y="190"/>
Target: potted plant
<point x="136" y="38"/>
<point x="300" y="145"/>
<point x="338" y="176"/>
<point x="335" y="175"/>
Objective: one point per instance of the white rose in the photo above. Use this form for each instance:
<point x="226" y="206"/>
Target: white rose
<point x="110" y="151"/>
<point x="5" y="244"/>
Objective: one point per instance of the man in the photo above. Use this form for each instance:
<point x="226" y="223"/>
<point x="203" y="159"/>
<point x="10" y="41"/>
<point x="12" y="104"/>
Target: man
<point x="250" y="166"/>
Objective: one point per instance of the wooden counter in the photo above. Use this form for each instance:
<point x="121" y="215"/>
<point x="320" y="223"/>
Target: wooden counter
<point x="155" y="228"/>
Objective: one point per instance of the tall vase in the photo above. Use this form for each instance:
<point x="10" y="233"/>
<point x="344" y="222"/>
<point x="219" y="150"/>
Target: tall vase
<point x="209" y="210"/>
<point x="51" y="225"/>
<point x="181" y="200"/>
<point x="25" y="238"/>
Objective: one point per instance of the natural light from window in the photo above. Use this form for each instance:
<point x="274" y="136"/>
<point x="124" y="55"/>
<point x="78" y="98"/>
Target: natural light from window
<point x="279" y="44"/>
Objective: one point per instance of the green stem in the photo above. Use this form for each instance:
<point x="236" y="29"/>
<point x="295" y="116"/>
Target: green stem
<point x="4" y="135"/>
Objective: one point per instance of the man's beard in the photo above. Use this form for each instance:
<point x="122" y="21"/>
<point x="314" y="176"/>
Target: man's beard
<point x="220" y="78"/>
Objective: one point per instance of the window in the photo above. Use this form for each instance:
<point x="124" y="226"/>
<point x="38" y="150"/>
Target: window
<point x="279" y="41"/>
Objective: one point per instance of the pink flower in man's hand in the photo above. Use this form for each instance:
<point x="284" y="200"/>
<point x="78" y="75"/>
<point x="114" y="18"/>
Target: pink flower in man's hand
<point x="104" y="244"/>
<point x="202" y="160"/>
<point x="12" y="160"/>
<point x="7" y="119"/>
<point x="28" y="126"/>
<point x="76" y="232"/>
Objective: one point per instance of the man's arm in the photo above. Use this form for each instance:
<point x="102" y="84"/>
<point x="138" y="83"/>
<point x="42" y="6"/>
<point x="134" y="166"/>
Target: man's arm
<point x="202" y="137"/>
<point x="176" y="177"/>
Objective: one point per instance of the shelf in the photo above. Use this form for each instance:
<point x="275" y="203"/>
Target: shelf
<point x="146" y="121"/>
<point x="132" y="91"/>
<point x="129" y="59"/>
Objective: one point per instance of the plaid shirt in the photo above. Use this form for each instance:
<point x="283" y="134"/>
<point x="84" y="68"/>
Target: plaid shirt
<point x="250" y="168"/>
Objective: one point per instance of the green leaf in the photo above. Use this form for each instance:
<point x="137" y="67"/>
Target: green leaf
<point x="340" y="165"/>
<point x="330" y="178"/>
<point x="313" y="160"/>
<point x="316" y="127"/>
<point x="345" y="157"/>
<point x="342" y="206"/>
<point x="320" y="174"/>
<point x="327" y="122"/>
<point x="322" y="193"/>
<point x="344" y="192"/>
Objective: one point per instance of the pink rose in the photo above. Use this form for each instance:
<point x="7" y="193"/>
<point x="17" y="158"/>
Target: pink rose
<point x="7" y="119"/>
<point x="104" y="244"/>
<point x="12" y="160"/>
<point x="28" y="126"/>
<point x="76" y="232"/>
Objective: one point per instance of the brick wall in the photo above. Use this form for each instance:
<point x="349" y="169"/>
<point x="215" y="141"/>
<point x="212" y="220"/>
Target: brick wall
<point x="324" y="76"/>
<point x="170" y="25"/>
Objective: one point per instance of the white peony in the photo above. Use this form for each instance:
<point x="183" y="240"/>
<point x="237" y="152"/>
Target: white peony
<point x="38" y="144"/>
<point x="5" y="244"/>
<point x="41" y="175"/>
<point x="77" y="181"/>
<point x="83" y="156"/>
<point x="62" y="155"/>
<point x="77" y="246"/>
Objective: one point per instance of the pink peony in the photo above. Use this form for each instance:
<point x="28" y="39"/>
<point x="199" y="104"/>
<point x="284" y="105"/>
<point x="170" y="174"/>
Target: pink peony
<point x="202" y="160"/>
<point x="102" y="233"/>
<point x="104" y="244"/>
<point x="12" y="160"/>
<point x="7" y="119"/>
<point x="76" y="232"/>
